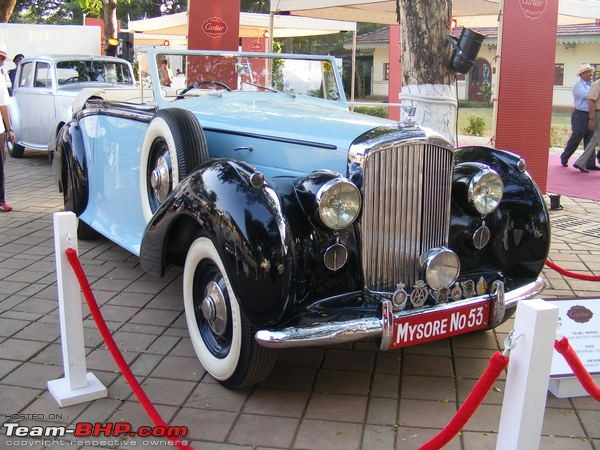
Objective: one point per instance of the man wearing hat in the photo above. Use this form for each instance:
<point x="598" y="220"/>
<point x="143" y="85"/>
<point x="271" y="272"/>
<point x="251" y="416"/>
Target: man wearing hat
<point x="6" y="132"/>
<point x="579" y="118"/>
<point x="593" y="126"/>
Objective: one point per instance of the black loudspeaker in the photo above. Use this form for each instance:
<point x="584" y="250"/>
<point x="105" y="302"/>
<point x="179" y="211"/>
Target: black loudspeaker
<point x="466" y="48"/>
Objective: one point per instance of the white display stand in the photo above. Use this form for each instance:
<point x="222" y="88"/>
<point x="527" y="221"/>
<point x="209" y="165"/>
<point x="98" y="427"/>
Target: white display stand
<point x="527" y="378"/>
<point x="77" y="386"/>
<point x="579" y="322"/>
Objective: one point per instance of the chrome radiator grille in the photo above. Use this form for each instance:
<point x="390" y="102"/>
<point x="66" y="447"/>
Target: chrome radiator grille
<point x="406" y="211"/>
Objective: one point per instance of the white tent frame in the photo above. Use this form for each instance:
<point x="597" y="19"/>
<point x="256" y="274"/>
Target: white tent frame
<point x="174" y="27"/>
<point x="384" y="11"/>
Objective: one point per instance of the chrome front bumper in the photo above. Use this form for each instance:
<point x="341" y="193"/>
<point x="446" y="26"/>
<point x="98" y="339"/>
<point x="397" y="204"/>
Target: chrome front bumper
<point x="382" y="327"/>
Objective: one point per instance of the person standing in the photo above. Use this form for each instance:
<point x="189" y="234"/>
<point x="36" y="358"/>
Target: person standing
<point x="163" y="73"/>
<point x="12" y="73"/>
<point x="593" y="127"/>
<point x="6" y="132"/>
<point x="579" y="117"/>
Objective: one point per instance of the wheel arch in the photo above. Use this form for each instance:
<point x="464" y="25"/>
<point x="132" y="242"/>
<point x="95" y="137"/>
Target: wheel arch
<point x="70" y="168"/>
<point x="254" y="240"/>
<point x="521" y="242"/>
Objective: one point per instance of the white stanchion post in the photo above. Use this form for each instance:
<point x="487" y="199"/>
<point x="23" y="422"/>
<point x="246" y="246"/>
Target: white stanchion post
<point x="528" y="374"/>
<point x="77" y="386"/>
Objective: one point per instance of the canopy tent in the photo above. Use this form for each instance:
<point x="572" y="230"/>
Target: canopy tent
<point x="174" y="27"/>
<point x="466" y="12"/>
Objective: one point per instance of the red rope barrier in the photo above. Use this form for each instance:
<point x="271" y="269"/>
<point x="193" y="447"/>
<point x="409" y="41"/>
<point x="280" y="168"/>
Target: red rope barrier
<point x="498" y="363"/>
<point x="566" y="273"/>
<point x="114" y="349"/>
<point x="563" y="347"/>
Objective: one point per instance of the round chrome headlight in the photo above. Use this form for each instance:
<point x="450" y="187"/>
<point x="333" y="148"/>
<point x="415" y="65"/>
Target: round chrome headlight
<point x="338" y="201"/>
<point x="485" y="191"/>
<point x="441" y="266"/>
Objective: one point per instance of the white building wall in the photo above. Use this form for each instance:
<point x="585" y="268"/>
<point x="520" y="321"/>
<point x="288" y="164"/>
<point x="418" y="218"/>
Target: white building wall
<point x="379" y="85"/>
<point x="571" y="57"/>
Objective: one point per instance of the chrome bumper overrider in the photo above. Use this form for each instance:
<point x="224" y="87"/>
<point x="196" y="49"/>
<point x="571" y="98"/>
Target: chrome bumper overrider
<point x="382" y="327"/>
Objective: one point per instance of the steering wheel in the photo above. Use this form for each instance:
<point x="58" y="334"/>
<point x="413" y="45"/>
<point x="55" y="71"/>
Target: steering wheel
<point x="197" y="84"/>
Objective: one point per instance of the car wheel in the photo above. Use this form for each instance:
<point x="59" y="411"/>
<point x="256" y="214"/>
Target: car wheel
<point x="221" y="335"/>
<point x="174" y="146"/>
<point x="66" y="186"/>
<point x="15" y="150"/>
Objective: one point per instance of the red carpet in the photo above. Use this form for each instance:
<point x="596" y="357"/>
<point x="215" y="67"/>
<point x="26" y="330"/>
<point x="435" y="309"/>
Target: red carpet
<point x="570" y="182"/>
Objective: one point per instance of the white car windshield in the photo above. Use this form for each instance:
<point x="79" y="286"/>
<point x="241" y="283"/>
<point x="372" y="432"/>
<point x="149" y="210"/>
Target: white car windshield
<point x="188" y="74"/>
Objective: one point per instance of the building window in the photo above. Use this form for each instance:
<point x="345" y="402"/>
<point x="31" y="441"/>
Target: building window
<point x="559" y="74"/>
<point x="386" y="71"/>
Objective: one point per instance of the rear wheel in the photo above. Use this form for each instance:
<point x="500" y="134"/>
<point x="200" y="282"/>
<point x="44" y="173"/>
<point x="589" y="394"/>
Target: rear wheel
<point x="14" y="150"/>
<point x="221" y="335"/>
<point x="174" y="146"/>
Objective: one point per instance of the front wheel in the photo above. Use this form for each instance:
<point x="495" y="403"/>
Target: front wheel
<point x="222" y="336"/>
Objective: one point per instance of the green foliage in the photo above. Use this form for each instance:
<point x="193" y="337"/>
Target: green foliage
<point x="476" y="126"/>
<point x="486" y="92"/>
<point x="71" y="11"/>
<point x="462" y="104"/>
<point x="254" y="6"/>
<point x="377" y="111"/>
<point x="46" y="11"/>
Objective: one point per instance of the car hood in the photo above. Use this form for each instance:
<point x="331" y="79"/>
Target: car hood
<point x="283" y="116"/>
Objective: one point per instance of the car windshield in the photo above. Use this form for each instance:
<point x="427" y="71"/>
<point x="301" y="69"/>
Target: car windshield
<point x="188" y="74"/>
<point x="78" y="71"/>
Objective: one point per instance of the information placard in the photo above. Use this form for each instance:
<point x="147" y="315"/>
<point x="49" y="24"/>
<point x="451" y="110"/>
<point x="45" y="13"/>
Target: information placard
<point x="579" y="322"/>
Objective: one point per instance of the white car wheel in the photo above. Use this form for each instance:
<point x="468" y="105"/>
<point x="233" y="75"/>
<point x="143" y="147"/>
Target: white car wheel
<point x="222" y="337"/>
<point x="174" y="146"/>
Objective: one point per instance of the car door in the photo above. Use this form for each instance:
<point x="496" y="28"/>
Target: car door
<point x="42" y="112"/>
<point x="34" y="104"/>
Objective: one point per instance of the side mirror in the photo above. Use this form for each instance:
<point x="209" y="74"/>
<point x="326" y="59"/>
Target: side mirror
<point x="466" y="48"/>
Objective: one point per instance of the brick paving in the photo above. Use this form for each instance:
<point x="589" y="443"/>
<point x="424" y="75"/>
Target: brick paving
<point x="339" y="397"/>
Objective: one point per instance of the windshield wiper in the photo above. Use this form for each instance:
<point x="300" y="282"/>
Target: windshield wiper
<point x="260" y="86"/>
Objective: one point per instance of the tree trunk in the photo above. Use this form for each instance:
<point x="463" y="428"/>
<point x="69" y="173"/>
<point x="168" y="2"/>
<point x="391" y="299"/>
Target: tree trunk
<point x="6" y="10"/>
<point x="110" y="21"/>
<point x="427" y="78"/>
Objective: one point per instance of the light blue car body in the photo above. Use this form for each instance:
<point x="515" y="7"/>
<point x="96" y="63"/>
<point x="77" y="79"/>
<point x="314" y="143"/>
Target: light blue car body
<point x="280" y="134"/>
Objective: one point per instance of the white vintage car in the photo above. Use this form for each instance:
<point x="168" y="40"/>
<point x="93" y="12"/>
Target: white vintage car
<point x="46" y="87"/>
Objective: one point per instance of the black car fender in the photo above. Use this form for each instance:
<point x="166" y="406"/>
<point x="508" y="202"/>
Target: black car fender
<point x="520" y="226"/>
<point x="231" y="204"/>
<point x="70" y="168"/>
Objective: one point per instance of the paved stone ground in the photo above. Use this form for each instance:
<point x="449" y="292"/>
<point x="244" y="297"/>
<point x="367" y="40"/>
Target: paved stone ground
<point x="340" y="397"/>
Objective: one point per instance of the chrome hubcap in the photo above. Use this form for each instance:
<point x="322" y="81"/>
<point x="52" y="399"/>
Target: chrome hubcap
<point x="214" y="308"/>
<point x="160" y="178"/>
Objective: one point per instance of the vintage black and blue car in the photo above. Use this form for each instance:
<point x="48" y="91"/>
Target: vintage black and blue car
<point x="298" y="222"/>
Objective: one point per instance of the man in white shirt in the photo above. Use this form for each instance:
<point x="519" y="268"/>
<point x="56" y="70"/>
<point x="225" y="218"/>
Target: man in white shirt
<point x="593" y="126"/>
<point x="6" y="132"/>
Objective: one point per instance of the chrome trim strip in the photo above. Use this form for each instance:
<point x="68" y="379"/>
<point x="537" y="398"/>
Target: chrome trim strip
<point x="353" y="330"/>
<point x="273" y="138"/>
